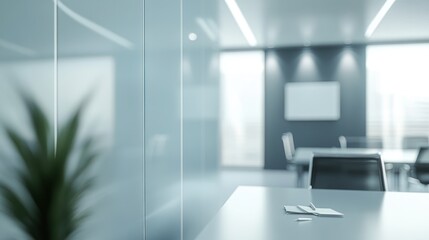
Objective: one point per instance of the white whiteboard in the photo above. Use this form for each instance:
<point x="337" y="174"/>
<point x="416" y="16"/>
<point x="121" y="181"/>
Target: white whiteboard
<point x="312" y="101"/>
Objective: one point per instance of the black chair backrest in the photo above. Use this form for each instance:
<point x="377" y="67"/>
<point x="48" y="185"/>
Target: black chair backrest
<point x="421" y="166"/>
<point x="348" y="171"/>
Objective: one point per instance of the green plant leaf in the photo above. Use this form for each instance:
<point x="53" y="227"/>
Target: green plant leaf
<point x="86" y="159"/>
<point x="22" y="148"/>
<point x="18" y="210"/>
<point x="66" y="139"/>
<point x="49" y="210"/>
<point x="41" y="126"/>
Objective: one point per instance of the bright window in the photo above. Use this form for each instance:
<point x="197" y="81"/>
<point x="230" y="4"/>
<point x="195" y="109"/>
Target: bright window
<point x="397" y="92"/>
<point x="242" y="108"/>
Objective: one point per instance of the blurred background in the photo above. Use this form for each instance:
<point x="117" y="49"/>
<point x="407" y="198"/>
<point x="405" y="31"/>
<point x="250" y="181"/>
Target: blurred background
<point x="191" y="98"/>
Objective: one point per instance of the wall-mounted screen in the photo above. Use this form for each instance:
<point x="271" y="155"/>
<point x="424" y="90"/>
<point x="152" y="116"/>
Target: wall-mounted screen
<point x="312" y="101"/>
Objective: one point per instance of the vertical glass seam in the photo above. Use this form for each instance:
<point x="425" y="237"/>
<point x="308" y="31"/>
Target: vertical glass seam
<point x="181" y="121"/>
<point x="144" y="117"/>
<point x="55" y="75"/>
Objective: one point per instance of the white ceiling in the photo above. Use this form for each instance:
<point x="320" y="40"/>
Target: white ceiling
<point x="319" y="22"/>
<point x="29" y="24"/>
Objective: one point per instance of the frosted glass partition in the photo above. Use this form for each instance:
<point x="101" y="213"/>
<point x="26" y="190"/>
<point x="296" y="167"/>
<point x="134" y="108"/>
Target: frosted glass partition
<point x="200" y="114"/>
<point x="26" y="63"/>
<point x="163" y="155"/>
<point x="100" y="55"/>
<point x="147" y="73"/>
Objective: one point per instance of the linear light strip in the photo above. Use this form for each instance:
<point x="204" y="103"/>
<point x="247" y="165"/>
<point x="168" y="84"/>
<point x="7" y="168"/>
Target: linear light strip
<point x="241" y="21"/>
<point x="95" y="27"/>
<point x="377" y="19"/>
<point x="16" y="48"/>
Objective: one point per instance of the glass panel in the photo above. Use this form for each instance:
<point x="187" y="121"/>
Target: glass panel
<point x="163" y="119"/>
<point x="100" y="64"/>
<point x="201" y="195"/>
<point x="27" y="64"/>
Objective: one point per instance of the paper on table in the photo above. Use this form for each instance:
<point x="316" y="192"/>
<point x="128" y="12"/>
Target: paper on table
<point x="328" y="212"/>
<point x="294" y="210"/>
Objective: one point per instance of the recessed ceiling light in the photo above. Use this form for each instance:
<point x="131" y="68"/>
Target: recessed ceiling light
<point x="192" y="36"/>
<point x="377" y="19"/>
<point x="241" y="21"/>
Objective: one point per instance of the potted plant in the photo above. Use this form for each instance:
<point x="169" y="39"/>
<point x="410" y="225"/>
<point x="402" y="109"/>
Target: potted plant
<point x="45" y="200"/>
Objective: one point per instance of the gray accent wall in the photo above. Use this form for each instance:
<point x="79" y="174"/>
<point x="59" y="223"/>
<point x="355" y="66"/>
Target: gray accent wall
<point x="345" y="64"/>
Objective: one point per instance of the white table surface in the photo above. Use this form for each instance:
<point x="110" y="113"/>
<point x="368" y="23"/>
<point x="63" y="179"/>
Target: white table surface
<point x="256" y="213"/>
<point x="398" y="156"/>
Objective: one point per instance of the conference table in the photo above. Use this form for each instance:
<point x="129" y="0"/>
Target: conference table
<point x="256" y="213"/>
<point x="397" y="158"/>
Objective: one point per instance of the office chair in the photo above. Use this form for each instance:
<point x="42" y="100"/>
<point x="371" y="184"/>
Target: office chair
<point x="360" y="142"/>
<point x="289" y="149"/>
<point x="414" y="142"/>
<point x="289" y="146"/>
<point x="348" y="171"/>
<point x="343" y="141"/>
<point x="421" y="167"/>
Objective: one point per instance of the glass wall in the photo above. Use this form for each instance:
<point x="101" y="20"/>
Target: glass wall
<point x="147" y="79"/>
<point x="100" y="65"/>
<point x="200" y="114"/>
<point x="65" y="54"/>
<point x="163" y="132"/>
<point x="26" y="68"/>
